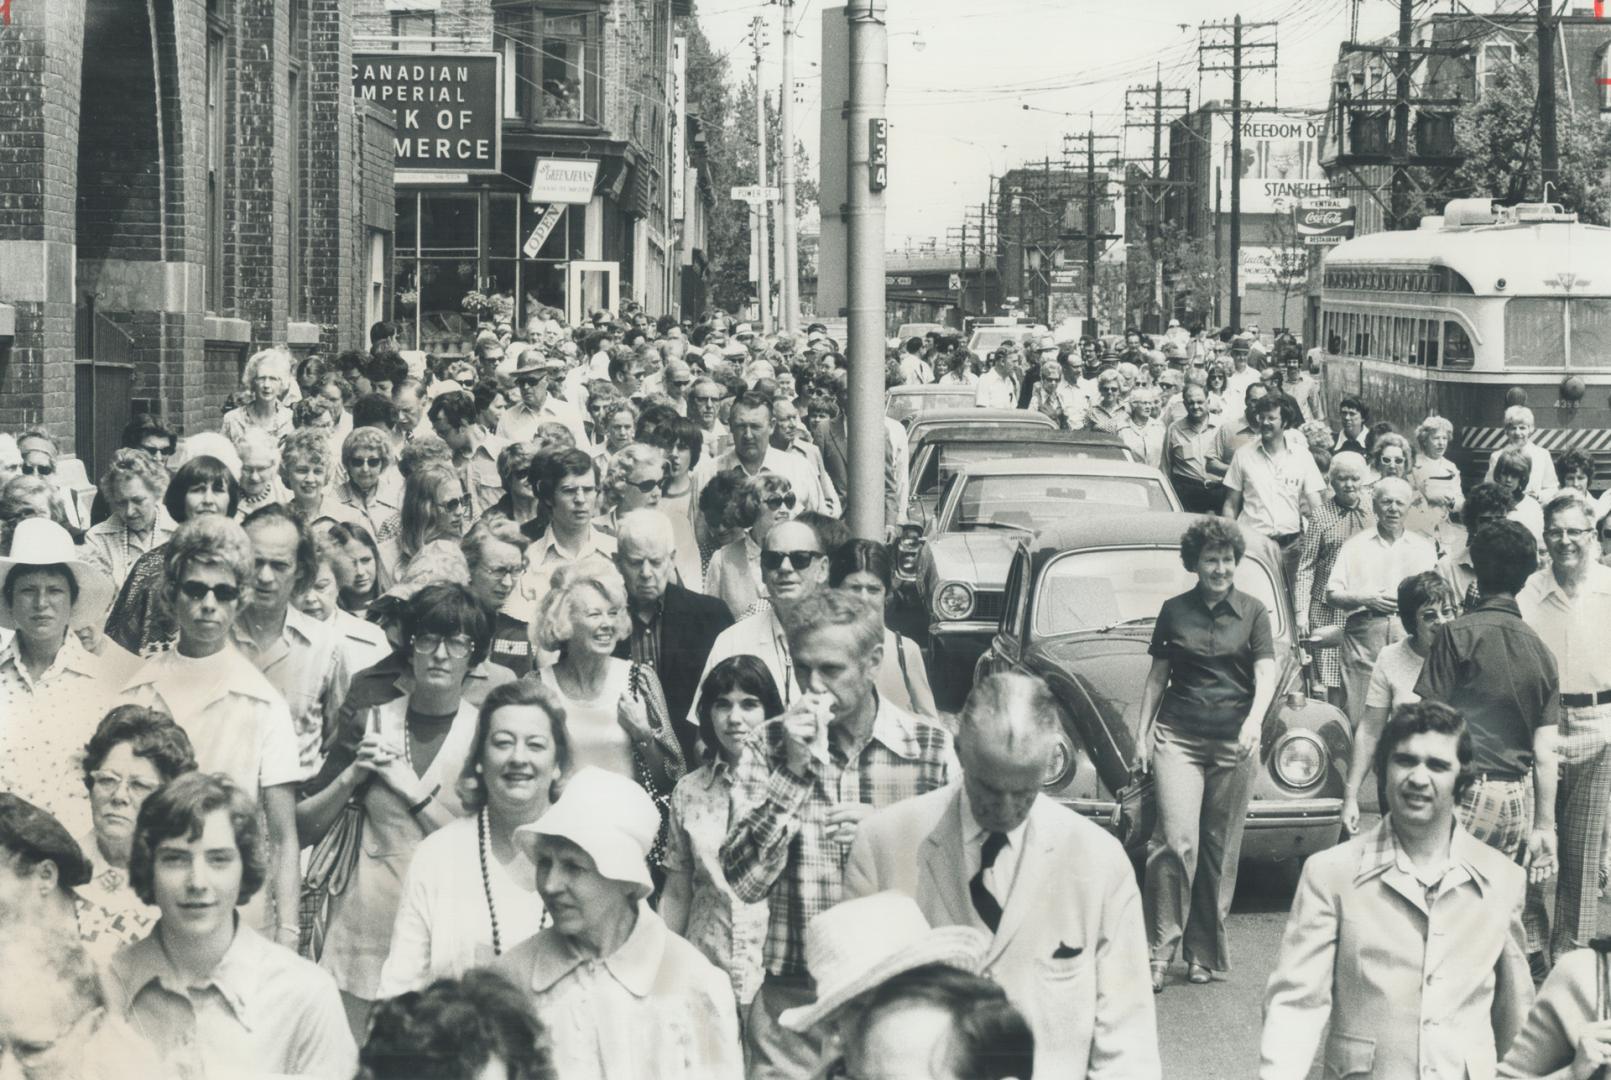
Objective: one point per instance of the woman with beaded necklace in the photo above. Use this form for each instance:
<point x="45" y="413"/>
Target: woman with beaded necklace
<point x="470" y="894"/>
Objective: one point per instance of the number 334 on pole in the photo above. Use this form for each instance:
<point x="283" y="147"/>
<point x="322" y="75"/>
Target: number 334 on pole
<point x="877" y="154"/>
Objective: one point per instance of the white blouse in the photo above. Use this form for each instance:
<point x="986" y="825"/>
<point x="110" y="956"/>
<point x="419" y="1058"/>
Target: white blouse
<point x="444" y="925"/>
<point x="597" y="737"/>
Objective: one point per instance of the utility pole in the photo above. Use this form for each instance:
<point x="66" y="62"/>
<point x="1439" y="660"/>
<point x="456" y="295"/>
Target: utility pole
<point x="1159" y="102"/>
<point x="764" y="206"/>
<point x="868" y="135"/>
<point x="790" y="298"/>
<point x="1095" y="240"/>
<point x="1401" y="113"/>
<point x="1240" y="49"/>
<point x="1548" y="151"/>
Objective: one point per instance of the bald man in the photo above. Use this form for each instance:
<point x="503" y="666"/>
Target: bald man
<point x="1055" y="891"/>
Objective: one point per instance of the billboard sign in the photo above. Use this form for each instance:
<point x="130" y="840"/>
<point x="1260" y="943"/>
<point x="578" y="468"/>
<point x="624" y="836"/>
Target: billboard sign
<point x="560" y="180"/>
<point x="449" y="107"/>
<point x="1280" y="164"/>
<point x="1324" y="221"/>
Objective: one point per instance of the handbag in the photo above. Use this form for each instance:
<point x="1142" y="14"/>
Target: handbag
<point x="643" y="684"/>
<point x="329" y="873"/>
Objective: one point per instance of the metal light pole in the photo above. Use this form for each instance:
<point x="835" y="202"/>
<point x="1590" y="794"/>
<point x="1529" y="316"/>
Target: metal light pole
<point x="869" y="58"/>
<point x="790" y="296"/>
<point x="763" y="252"/>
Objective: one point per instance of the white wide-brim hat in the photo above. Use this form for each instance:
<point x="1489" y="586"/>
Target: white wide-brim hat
<point x="216" y="445"/>
<point x="607" y="815"/>
<point x="42" y="542"/>
<point x="857" y="945"/>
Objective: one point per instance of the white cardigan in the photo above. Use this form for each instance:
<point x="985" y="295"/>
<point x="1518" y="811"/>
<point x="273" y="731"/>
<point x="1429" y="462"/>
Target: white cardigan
<point x="443" y="928"/>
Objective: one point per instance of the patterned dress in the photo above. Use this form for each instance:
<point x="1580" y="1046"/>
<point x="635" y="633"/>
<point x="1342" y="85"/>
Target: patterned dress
<point x="1323" y="537"/>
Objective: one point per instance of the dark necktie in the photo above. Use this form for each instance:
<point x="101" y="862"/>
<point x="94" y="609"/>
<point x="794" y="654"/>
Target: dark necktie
<point x="984" y="902"/>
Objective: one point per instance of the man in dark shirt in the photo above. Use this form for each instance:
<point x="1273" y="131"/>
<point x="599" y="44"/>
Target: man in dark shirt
<point x="1496" y="671"/>
<point x="673" y="628"/>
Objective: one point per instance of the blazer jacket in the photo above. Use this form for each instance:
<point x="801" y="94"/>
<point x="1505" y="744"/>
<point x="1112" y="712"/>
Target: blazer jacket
<point x="1070" y="950"/>
<point x="689" y="624"/>
<point x="1401" y="986"/>
<point x="834" y="442"/>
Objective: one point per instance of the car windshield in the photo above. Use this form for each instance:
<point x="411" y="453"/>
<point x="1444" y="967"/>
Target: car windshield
<point x="1087" y="590"/>
<point x="1034" y="501"/>
<point x="952" y="458"/>
<point x="985" y="341"/>
<point x="903" y="407"/>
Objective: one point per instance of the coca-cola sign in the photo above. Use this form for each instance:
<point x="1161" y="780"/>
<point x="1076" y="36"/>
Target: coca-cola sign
<point x="1324" y="221"/>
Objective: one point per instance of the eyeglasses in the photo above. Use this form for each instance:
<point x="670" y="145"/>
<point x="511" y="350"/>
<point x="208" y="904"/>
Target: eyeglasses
<point x="454" y="505"/>
<point x="458" y="646"/>
<point x="368" y="462"/>
<point x="37" y="470"/>
<point x="773" y="560"/>
<point x="531" y="380"/>
<point x="645" y="486"/>
<point x="1554" y="535"/>
<point x="705" y="399"/>
<point x="776" y="502"/>
<point x="106" y="784"/>
<point x="196" y="590"/>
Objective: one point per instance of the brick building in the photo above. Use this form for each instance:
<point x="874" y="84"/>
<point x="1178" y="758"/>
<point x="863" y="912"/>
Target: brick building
<point x="181" y="182"/>
<point x="584" y="82"/>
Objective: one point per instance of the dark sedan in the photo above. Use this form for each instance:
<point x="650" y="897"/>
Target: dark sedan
<point x="1081" y="600"/>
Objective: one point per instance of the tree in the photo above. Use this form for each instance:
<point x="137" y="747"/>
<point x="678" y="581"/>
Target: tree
<point x="1288" y="261"/>
<point x="727" y="115"/>
<point x="1497" y="139"/>
<point x="1191" y="273"/>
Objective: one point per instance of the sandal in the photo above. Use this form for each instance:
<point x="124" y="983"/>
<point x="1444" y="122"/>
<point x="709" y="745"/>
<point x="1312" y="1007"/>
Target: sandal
<point x="1159" y="969"/>
<point x="1198" y="974"/>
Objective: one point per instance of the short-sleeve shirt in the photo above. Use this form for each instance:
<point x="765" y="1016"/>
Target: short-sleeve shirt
<point x="1495" y="669"/>
<point x="1211" y="652"/>
<point x="1273" y="486"/>
<point x="1392" y="680"/>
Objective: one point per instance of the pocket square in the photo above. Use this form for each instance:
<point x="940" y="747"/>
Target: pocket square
<point x="1065" y="952"/>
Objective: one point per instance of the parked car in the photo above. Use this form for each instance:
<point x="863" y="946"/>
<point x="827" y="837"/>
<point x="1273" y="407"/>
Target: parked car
<point x="967" y="544"/>
<point x="938" y="452"/>
<point x="904" y="402"/>
<point x="911" y="330"/>
<point x="989" y="337"/>
<point x="1081" y="601"/>
<point x="929" y="420"/>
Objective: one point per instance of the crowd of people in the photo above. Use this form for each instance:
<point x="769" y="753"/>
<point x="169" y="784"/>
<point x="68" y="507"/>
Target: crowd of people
<point x="534" y="714"/>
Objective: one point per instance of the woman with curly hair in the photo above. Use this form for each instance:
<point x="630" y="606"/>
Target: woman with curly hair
<point x="306" y="469"/>
<point x="1202" y="716"/>
<point x="470" y="894"/>
<point x="615" y="709"/>
<point x="633" y="478"/>
<point x="373" y="490"/>
<point x="618" y="424"/>
<point x="132" y="486"/>
<point x="734" y="574"/>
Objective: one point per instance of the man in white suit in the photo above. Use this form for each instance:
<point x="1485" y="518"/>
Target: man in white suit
<point x="1055" y="892"/>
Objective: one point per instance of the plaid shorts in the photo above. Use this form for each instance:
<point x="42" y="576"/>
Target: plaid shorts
<point x="1499" y="813"/>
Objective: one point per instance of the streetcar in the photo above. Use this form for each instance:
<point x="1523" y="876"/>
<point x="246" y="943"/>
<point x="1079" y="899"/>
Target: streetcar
<point x="1483" y="307"/>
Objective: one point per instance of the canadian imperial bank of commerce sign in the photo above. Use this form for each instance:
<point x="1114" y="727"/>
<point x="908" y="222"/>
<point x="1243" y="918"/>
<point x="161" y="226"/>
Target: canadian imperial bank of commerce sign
<point x="449" y="106"/>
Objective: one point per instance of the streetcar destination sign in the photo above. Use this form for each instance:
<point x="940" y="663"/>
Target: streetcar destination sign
<point x="449" y="107"/>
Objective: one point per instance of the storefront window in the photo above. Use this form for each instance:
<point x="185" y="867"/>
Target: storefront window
<point x="552" y="63"/>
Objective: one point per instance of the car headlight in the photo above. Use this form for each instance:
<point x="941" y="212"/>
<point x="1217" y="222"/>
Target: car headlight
<point x="953" y="600"/>
<point x="1299" y="760"/>
<point x="1060" y="768"/>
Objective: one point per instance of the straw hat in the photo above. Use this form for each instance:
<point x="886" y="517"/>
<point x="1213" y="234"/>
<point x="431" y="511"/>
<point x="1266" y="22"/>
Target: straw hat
<point x="42" y="542"/>
<point x="607" y="815"/>
<point x="857" y="945"/>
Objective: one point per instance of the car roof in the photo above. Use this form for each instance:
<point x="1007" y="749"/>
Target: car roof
<point x="927" y="390"/>
<point x="1033" y="466"/>
<point x="975" y="414"/>
<point x="1019" y="433"/>
<point x="1155" y="528"/>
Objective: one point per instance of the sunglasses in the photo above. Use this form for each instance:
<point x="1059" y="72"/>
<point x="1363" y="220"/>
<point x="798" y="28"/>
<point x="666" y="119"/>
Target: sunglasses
<point x="773" y="560"/>
<point x="368" y="462"/>
<point x="453" y="505"/>
<point x="775" y="502"/>
<point x="531" y="380"/>
<point x="160" y="451"/>
<point x="645" y="486"/>
<point x="195" y="590"/>
<point x="37" y="470"/>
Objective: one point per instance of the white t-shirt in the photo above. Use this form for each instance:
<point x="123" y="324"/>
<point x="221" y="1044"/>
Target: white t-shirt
<point x="1392" y="680"/>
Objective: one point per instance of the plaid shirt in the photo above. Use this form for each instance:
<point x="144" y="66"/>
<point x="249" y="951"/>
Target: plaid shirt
<point x="778" y="847"/>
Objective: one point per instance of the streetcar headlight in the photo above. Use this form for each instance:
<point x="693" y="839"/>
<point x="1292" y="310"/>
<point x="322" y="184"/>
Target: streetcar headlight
<point x="953" y="600"/>
<point x="1299" y="760"/>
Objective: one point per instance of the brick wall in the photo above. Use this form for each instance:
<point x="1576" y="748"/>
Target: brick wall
<point x="330" y="273"/>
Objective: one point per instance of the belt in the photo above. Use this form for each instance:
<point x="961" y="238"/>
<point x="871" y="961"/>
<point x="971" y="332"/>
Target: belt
<point x="1584" y="701"/>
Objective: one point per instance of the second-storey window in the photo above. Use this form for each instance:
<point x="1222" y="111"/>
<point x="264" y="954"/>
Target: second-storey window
<point x="553" y="63"/>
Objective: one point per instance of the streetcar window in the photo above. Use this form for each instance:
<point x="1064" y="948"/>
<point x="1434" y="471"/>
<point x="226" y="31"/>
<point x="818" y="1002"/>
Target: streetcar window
<point x="1457" y="350"/>
<point x="1535" y="332"/>
<point x="1591" y="332"/>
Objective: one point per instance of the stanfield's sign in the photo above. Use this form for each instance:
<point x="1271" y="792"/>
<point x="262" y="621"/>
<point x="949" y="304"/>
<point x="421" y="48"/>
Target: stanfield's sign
<point x="561" y="180"/>
<point x="449" y="107"/>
